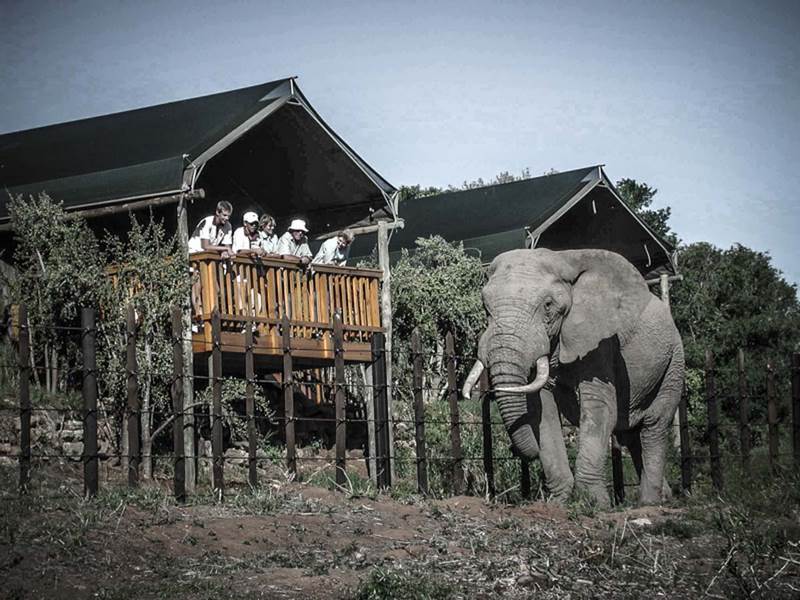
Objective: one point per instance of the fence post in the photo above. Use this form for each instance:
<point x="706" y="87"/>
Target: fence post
<point x="90" y="459"/>
<point x="772" y="420"/>
<point x="486" y="422"/>
<point x="796" y="407"/>
<point x="419" y="413"/>
<point x="525" y="477"/>
<point x="686" y="448"/>
<point x="250" y="404"/>
<point x="339" y="398"/>
<point x="217" y="481"/>
<point x="713" y="422"/>
<point x="288" y="396"/>
<point x="24" y="399"/>
<point x="179" y="478"/>
<point x="455" y="420"/>
<point x="134" y="423"/>
<point x="617" y="473"/>
<point x="744" y="414"/>
<point x="381" y="411"/>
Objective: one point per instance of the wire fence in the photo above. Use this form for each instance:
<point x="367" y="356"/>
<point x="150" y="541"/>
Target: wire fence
<point x="474" y="448"/>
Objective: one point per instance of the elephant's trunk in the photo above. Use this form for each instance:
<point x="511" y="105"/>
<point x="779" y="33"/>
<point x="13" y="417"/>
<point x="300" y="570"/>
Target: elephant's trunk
<point x="509" y="363"/>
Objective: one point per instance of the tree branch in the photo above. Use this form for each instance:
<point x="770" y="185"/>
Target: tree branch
<point x="172" y="418"/>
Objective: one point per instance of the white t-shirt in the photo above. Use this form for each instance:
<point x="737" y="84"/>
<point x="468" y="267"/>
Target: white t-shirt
<point x="206" y="230"/>
<point x="241" y="241"/>
<point x="331" y="254"/>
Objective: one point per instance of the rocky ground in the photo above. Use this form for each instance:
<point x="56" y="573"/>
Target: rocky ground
<point x="293" y="540"/>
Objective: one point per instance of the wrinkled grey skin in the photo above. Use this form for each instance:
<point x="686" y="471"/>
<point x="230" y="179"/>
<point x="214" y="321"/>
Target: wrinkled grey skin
<point x="615" y="355"/>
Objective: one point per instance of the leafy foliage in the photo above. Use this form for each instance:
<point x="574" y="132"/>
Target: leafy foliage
<point x="59" y="271"/>
<point x="731" y="299"/>
<point x="639" y="197"/>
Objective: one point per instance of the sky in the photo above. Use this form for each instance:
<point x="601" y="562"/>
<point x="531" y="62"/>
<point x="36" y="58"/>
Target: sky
<point x="700" y="100"/>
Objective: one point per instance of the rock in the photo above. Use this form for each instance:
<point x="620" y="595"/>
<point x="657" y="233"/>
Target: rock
<point x="641" y="522"/>
<point x="72" y="448"/>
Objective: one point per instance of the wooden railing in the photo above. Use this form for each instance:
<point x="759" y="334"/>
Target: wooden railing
<point x="264" y="291"/>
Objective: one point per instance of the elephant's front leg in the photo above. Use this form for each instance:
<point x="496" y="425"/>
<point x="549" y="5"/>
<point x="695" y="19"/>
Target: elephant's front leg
<point x="553" y="451"/>
<point x="598" y="416"/>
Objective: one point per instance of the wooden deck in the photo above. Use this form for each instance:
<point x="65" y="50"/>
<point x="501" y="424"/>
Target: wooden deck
<point x="264" y="291"/>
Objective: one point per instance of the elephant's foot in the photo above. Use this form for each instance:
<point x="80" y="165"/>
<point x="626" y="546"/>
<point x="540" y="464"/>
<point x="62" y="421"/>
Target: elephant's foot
<point x="561" y="490"/>
<point x="595" y="493"/>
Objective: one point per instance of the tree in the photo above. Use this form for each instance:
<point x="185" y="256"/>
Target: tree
<point x="731" y="299"/>
<point x="639" y="197"/>
<point x="59" y="271"/>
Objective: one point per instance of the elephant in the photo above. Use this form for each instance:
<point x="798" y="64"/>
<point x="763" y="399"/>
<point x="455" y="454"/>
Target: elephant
<point x="607" y="357"/>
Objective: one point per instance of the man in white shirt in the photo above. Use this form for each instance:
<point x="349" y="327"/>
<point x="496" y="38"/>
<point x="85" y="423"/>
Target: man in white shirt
<point x="247" y="239"/>
<point x="336" y="250"/>
<point x="213" y="234"/>
<point x="295" y="243"/>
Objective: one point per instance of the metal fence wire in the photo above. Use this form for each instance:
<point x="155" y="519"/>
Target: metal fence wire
<point x="368" y="402"/>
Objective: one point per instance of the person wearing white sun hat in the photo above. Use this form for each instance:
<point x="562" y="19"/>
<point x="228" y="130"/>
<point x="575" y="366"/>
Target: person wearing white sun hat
<point x="295" y="243"/>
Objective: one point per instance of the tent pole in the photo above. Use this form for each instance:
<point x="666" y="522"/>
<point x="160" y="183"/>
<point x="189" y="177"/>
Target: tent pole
<point x="188" y="360"/>
<point x="386" y="322"/>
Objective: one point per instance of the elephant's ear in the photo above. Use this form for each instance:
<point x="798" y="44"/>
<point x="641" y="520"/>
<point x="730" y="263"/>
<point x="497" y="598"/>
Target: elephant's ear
<point x="608" y="295"/>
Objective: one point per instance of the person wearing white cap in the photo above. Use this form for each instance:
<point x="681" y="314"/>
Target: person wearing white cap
<point x="247" y="239"/>
<point x="295" y="243"/>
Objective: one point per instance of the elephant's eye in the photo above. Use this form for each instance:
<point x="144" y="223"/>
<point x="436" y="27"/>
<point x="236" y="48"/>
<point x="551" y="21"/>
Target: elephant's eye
<point x="548" y="306"/>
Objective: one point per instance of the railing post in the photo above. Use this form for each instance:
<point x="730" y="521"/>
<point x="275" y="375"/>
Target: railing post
<point x="617" y="473"/>
<point x="772" y="420"/>
<point x="250" y="400"/>
<point x="179" y="476"/>
<point x="744" y="414"/>
<point x="486" y="421"/>
<point x="132" y="384"/>
<point x="419" y="413"/>
<point x="381" y="411"/>
<point x="341" y="414"/>
<point x="713" y="422"/>
<point x="218" y="482"/>
<point x="686" y="448"/>
<point x="90" y="458"/>
<point x="288" y="395"/>
<point x="24" y="399"/>
<point x="455" y="419"/>
<point x="796" y="407"/>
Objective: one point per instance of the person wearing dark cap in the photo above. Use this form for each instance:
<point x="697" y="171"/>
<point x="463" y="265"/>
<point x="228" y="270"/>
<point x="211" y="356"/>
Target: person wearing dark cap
<point x="247" y="239"/>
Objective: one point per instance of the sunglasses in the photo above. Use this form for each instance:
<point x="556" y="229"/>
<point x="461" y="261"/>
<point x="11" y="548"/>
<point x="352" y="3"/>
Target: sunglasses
<point x="253" y="224"/>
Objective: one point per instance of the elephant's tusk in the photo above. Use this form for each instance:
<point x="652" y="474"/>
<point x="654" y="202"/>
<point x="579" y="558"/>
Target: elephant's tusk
<point x="472" y="378"/>
<point x="542" y="374"/>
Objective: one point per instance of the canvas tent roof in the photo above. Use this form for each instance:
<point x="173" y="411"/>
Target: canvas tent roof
<point x="572" y="209"/>
<point x="263" y="144"/>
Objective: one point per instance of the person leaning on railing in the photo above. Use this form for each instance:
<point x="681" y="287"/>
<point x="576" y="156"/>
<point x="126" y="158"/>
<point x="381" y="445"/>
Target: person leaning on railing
<point x="212" y="234"/>
<point x="266" y="228"/>
<point x="247" y="240"/>
<point x="294" y="242"/>
<point x="336" y="250"/>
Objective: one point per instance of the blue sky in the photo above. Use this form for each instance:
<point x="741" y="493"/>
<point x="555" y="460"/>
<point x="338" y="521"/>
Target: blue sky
<point x="698" y="99"/>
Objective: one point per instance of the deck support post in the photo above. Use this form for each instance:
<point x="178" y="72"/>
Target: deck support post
<point x="386" y="322"/>
<point x="189" y="432"/>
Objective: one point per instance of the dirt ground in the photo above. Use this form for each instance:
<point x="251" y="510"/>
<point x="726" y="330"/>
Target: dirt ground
<point x="293" y="540"/>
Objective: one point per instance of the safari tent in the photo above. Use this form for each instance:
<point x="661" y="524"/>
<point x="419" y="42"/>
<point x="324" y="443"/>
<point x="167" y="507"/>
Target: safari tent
<point x="573" y="209"/>
<point x="262" y="147"/>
